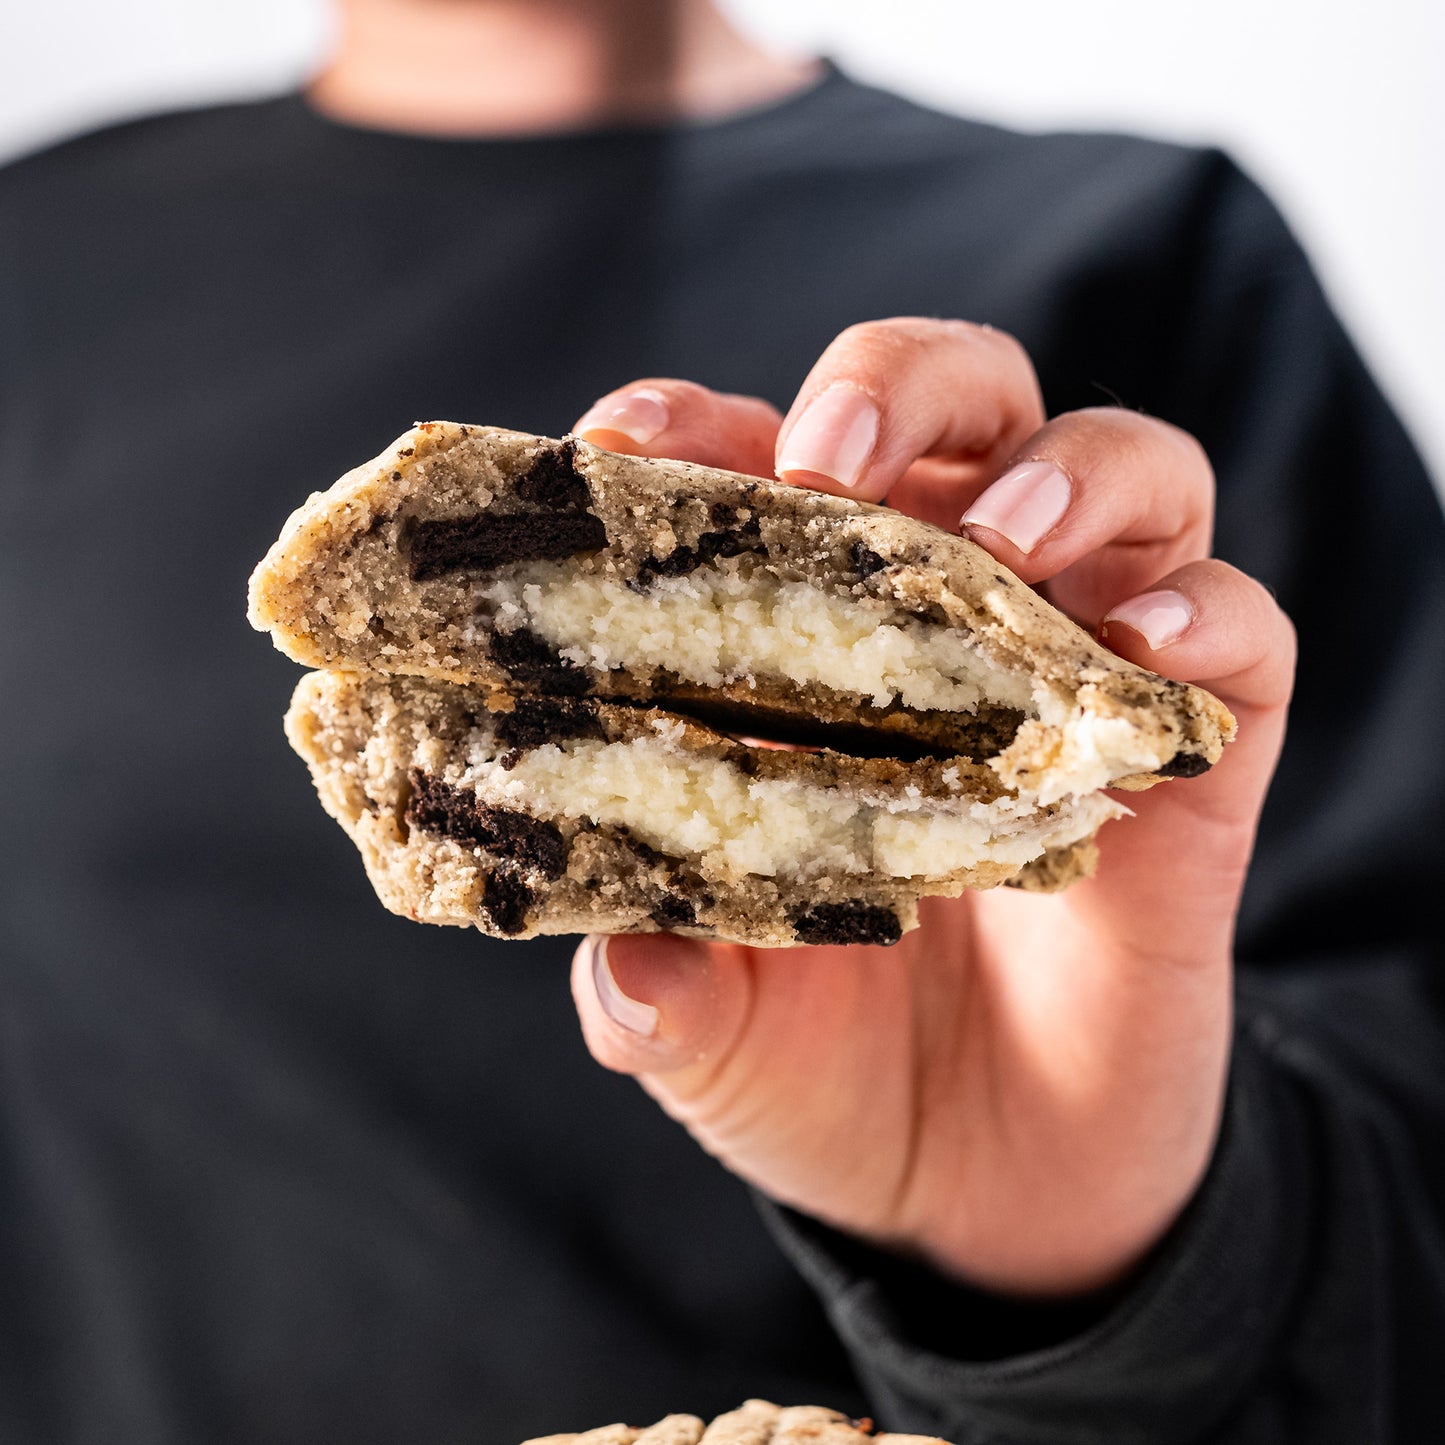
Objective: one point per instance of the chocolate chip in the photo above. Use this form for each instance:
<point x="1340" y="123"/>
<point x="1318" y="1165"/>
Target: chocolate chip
<point x="865" y="560"/>
<point x="553" y="481"/>
<point x="1185" y="765"/>
<point x="507" y="899"/>
<point x="537" y="720"/>
<point x="480" y="543"/>
<point x="673" y="911"/>
<point x="732" y="542"/>
<point x="852" y="921"/>
<point x="533" y="662"/>
<point x="439" y="808"/>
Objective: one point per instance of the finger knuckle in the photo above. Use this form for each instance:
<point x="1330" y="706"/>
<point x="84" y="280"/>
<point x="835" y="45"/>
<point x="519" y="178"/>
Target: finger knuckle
<point x="1010" y="349"/>
<point x="1133" y="436"/>
<point x="1267" y="601"/>
<point x="680" y="395"/>
<point x="899" y="343"/>
<point x="1103" y="438"/>
<point x="1190" y="448"/>
<point x="1116" y="425"/>
<point x="879" y="341"/>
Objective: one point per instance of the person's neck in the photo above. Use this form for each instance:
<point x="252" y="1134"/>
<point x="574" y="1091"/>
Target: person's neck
<point x="512" y="67"/>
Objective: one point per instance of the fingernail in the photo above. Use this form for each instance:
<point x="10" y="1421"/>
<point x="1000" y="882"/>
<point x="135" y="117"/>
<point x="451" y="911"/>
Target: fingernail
<point x="834" y="437"/>
<point x="1159" y="617"/>
<point x="1024" y="505"/>
<point x="627" y="1013"/>
<point x="640" y="415"/>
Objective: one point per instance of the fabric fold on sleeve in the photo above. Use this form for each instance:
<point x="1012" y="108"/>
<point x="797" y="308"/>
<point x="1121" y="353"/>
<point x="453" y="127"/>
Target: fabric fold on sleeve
<point x="1178" y="1352"/>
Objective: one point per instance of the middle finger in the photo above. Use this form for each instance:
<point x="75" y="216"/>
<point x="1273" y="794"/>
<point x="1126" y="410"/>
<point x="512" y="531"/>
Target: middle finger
<point x="1096" y="506"/>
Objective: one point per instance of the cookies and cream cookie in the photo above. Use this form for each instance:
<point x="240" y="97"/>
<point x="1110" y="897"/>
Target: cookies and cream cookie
<point x="558" y="680"/>
<point x="569" y="815"/>
<point x="529" y="565"/>
<point x="756" y="1422"/>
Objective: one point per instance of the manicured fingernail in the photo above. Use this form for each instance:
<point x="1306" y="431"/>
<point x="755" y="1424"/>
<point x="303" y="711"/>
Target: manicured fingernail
<point x="1159" y="617"/>
<point x="833" y="438"/>
<point x="1024" y="505"/>
<point x="640" y="415"/>
<point x="627" y="1013"/>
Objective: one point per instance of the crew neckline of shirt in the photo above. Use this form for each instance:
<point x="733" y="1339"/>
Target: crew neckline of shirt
<point x="829" y="79"/>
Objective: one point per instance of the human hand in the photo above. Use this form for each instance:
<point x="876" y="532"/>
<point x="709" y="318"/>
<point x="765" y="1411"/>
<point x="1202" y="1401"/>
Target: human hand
<point x="1025" y="1092"/>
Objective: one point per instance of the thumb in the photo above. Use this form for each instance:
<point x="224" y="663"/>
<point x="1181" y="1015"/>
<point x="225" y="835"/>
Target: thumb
<point x="767" y="1058"/>
<point x="657" y="1004"/>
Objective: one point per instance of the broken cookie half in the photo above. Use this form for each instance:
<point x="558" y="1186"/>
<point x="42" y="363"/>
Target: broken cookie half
<point x="756" y="1422"/>
<point x="565" y="815"/>
<point x="532" y="638"/>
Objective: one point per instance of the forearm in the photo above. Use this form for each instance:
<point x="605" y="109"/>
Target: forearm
<point x="1294" y="1301"/>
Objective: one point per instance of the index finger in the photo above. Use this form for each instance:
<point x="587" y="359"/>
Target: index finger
<point x="680" y="420"/>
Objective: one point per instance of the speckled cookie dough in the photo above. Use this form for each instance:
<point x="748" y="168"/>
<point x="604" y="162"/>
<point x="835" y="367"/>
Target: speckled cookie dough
<point x="562" y="815"/>
<point x="757" y="1422"/>
<point x="559" y="592"/>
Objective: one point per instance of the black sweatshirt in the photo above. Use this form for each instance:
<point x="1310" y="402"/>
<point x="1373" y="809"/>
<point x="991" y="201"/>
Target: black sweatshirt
<point x="276" y="1166"/>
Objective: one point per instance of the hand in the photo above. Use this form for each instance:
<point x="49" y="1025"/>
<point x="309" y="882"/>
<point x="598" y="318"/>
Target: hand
<point x="1025" y="1092"/>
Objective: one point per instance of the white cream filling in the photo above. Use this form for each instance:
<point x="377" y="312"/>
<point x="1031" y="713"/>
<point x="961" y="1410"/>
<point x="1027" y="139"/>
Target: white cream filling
<point x="727" y="623"/>
<point x="687" y="805"/>
<point x="1072" y="751"/>
<point x="721" y="624"/>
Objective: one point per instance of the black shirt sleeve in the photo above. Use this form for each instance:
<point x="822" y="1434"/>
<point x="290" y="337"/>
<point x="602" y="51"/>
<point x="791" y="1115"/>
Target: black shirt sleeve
<point x="1302" y="1295"/>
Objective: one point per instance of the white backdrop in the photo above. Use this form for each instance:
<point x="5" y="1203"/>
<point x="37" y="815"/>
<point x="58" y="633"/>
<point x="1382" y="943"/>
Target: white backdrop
<point x="1340" y="111"/>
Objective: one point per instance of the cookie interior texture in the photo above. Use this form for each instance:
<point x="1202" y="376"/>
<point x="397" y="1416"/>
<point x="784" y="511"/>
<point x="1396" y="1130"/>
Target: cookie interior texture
<point x="956" y="731"/>
<point x="757" y="1422"/>
<point x="533" y="565"/>
<point x="565" y="815"/>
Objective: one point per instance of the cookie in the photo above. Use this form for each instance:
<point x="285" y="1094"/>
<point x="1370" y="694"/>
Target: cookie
<point x="573" y="691"/>
<point x="528" y="565"/>
<point x="559" y="815"/>
<point x="757" y="1422"/>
